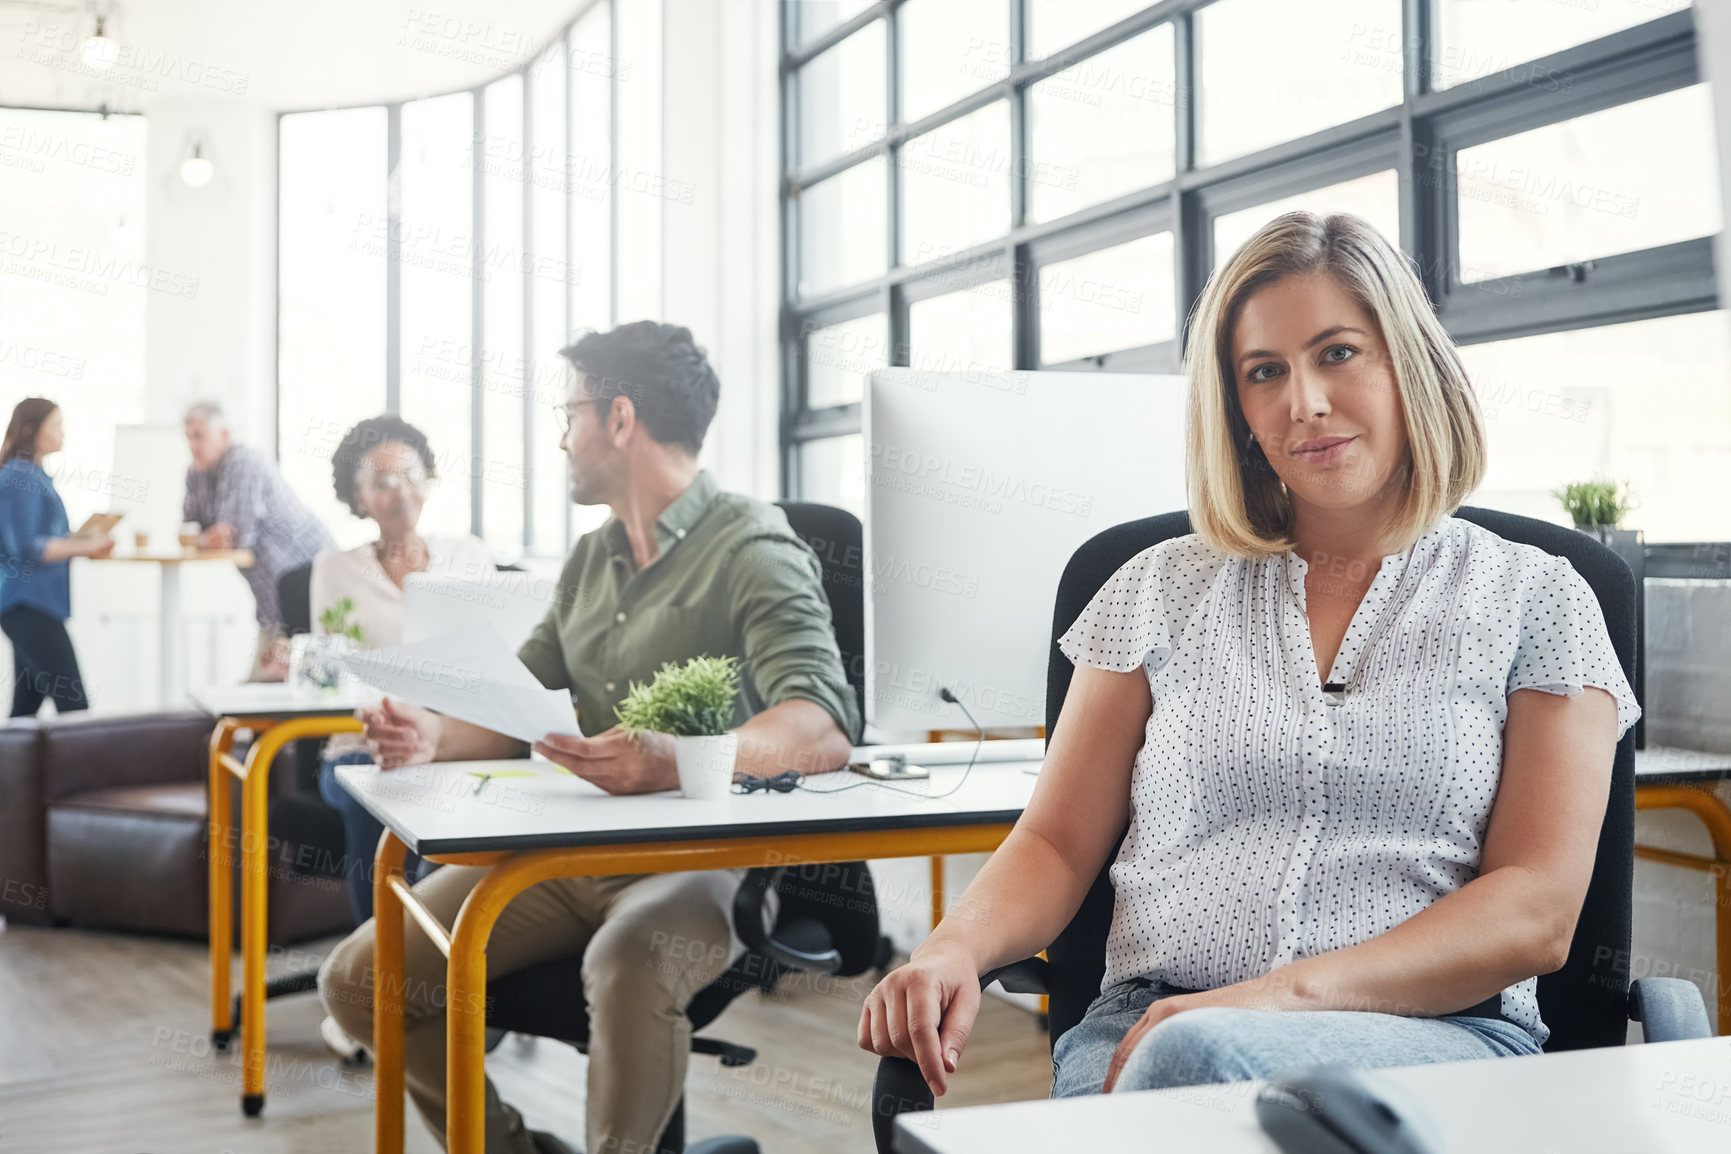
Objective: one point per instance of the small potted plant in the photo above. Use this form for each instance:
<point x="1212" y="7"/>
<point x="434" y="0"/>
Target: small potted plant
<point x="315" y="659"/>
<point x="693" y="704"/>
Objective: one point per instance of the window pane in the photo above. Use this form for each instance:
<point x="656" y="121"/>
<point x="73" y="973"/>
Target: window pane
<point x="956" y="185"/>
<point x="591" y="169"/>
<point x="501" y="462"/>
<point x="638" y="177"/>
<point x="949" y="49"/>
<point x="1375" y="197"/>
<point x="75" y="273"/>
<point x="841" y="97"/>
<point x="551" y="281"/>
<point x="1272" y="70"/>
<point x="331" y="296"/>
<point x="963" y="332"/>
<point x="832" y="472"/>
<point x="838" y="357"/>
<point x="1103" y="127"/>
<point x="1484" y="37"/>
<point x="1117" y="298"/>
<point x="437" y="226"/>
<point x="1630" y="177"/>
<point x="1052" y="24"/>
<point x="841" y="229"/>
<point x="1644" y="402"/>
<point x="809" y="19"/>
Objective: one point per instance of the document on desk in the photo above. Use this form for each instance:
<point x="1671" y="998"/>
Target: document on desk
<point x="473" y="676"/>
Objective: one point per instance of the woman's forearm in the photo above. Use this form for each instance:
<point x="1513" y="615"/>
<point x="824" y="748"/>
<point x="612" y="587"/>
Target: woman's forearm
<point x="1021" y="899"/>
<point x="1499" y="929"/>
<point x="61" y="549"/>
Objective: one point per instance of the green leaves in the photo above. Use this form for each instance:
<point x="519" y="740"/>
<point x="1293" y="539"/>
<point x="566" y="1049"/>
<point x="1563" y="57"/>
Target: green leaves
<point x="695" y="700"/>
<point x="335" y="619"/>
<point x="1595" y="503"/>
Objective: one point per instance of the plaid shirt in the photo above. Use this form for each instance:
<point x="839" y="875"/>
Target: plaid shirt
<point x="245" y="491"/>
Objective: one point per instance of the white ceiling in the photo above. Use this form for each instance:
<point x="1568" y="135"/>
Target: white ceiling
<point x="293" y="54"/>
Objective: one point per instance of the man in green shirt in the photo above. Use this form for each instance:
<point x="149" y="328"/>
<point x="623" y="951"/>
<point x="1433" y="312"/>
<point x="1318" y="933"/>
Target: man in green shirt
<point x="680" y="570"/>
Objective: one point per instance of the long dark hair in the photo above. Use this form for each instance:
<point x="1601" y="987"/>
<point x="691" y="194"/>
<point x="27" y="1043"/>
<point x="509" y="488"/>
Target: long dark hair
<point x="21" y="431"/>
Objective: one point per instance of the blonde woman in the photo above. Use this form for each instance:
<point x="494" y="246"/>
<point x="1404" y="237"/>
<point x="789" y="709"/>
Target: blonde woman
<point x="1379" y="881"/>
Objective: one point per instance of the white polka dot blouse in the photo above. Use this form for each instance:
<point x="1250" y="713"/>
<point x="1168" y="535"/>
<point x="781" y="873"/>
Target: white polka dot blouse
<point x="1270" y="823"/>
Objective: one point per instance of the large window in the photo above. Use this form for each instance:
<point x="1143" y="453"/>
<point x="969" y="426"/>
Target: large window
<point x="434" y="257"/>
<point x="985" y="185"/>
<point x="74" y="278"/>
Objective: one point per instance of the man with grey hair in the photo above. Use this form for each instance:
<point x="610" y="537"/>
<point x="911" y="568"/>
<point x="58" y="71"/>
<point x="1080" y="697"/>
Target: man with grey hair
<point x="240" y="501"/>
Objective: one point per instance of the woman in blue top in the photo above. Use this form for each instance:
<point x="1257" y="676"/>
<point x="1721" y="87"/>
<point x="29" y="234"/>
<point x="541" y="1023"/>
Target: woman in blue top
<point x="35" y="571"/>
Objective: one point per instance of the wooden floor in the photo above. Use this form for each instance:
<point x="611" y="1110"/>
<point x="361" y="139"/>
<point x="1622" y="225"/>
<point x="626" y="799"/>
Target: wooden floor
<point x="105" y="1049"/>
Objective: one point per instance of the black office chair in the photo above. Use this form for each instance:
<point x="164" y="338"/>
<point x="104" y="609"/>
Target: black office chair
<point x="828" y="920"/>
<point x="1588" y="1002"/>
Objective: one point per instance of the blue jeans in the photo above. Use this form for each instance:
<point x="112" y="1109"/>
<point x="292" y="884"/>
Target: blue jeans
<point x="361" y="833"/>
<point x="1216" y="1044"/>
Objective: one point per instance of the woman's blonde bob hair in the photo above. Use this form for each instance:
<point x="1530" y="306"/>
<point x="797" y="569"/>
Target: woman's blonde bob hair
<point x="1237" y="503"/>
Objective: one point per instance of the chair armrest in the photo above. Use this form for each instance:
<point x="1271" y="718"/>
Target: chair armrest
<point x="900" y="1088"/>
<point x="1669" y="1009"/>
<point x="751" y="922"/>
<point x="1028" y="976"/>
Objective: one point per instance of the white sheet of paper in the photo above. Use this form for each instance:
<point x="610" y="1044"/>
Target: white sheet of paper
<point x="472" y="676"/>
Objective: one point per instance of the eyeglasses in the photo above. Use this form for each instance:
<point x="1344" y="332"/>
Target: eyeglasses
<point x="415" y="478"/>
<point x="565" y="414"/>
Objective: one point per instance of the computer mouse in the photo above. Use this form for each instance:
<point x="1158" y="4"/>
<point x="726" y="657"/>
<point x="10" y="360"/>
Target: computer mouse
<point x="1337" y="1110"/>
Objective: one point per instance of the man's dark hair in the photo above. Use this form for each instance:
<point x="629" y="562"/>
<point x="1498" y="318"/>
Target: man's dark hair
<point x="662" y="371"/>
<point x="385" y="429"/>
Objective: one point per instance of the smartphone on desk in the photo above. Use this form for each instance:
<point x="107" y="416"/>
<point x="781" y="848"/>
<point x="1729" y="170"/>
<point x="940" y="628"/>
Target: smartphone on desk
<point x="890" y="767"/>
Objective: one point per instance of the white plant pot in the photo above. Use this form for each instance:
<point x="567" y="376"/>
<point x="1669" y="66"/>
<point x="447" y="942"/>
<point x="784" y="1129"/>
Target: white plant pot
<point x="706" y="765"/>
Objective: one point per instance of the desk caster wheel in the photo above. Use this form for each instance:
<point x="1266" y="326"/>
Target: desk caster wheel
<point x="220" y="1039"/>
<point x="252" y="1105"/>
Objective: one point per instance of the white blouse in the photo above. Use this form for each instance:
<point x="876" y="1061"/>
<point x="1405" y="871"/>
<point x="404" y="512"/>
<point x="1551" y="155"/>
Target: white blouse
<point x="1269" y="824"/>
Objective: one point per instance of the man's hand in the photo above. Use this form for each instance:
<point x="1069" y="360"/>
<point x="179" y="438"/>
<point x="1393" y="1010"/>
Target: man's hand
<point x="1274" y="991"/>
<point x="399" y="734"/>
<point x="218" y="536"/>
<point x="617" y="761"/>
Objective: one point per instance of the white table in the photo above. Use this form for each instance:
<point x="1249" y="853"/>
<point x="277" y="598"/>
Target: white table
<point x="276" y="714"/>
<point x="1641" y="1099"/>
<point x="171" y="644"/>
<point x="551" y="825"/>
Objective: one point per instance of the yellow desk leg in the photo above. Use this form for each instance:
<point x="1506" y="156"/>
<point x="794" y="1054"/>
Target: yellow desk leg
<point x="937" y="891"/>
<point x="388" y="986"/>
<point x="466" y="1004"/>
<point x="220" y="863"/>
<point x="255" y="887"/>
<point x="1705" y="804"/>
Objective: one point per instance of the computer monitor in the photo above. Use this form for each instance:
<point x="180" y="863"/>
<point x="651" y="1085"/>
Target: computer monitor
<point x="979" y="488"/>
<point x="511" y="601"/>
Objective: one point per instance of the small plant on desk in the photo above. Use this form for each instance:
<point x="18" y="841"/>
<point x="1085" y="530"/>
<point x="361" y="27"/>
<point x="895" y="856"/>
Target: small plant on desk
<point x="693" y="704"/>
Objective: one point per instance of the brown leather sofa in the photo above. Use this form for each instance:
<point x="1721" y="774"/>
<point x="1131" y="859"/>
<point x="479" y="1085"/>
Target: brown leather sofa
<point x="104" y="822"/>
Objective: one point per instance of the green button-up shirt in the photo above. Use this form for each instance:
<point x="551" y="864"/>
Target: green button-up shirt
<point x="731" y="579"/>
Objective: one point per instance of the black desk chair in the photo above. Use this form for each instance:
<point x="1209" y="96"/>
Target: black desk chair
<point x="1588" y="1002"/>
<point x="828" y="921"/>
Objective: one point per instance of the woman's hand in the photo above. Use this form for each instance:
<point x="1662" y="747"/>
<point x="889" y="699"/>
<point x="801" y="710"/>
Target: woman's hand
<point x="1275" y="991"/>
<point x="924" y="1011"/>
<point x="399" y="734"/>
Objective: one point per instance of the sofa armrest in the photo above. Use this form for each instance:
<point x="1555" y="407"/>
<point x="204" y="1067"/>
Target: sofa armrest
<point x="23" y="826"/>
<point x="81" y="752"/>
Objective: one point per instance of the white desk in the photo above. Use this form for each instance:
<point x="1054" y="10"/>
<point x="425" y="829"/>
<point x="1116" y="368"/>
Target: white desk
<point x="276" y="714"/>
<point x="1642" y="1099"/>
<point x="171" y="653"/>
<point x="532" y="829"/>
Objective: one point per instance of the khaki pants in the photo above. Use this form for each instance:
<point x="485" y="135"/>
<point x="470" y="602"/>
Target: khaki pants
<point x="649" y="942"/>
